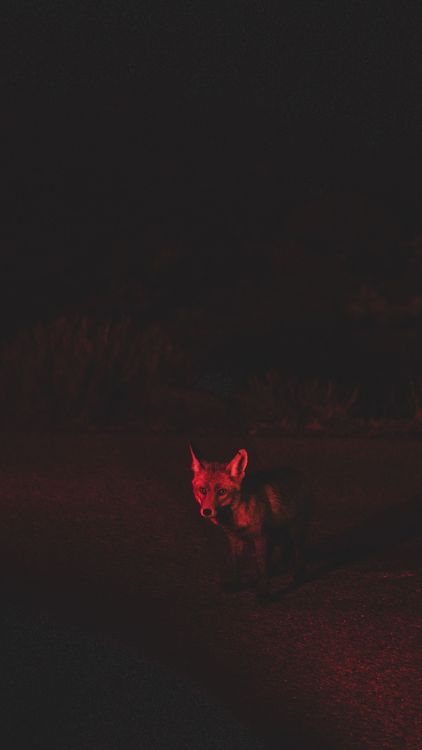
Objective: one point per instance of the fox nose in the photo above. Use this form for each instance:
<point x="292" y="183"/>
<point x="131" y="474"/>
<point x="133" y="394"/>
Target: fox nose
<point x="206" y="512"/>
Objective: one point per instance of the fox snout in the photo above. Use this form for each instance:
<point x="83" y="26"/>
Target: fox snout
<point x="208" y="507"/>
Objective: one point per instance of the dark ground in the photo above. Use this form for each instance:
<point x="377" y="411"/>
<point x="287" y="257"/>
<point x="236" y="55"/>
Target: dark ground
<point x="114" y="631"/>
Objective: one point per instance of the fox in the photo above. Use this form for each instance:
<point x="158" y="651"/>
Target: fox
<point x="268" y="510"/>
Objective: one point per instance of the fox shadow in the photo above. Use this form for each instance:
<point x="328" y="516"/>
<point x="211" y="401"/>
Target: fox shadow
<point x="381" y="532"/>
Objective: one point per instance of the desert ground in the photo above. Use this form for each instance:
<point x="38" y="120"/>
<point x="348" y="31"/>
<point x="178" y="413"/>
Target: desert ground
<point x="115" y="633"/>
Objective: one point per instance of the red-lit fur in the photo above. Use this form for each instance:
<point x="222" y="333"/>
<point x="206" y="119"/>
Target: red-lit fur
<point x="269" y="509"/>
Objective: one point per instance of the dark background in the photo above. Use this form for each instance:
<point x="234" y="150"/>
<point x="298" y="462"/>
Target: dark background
<point x="240" y="183"/>
<point x="245" y="172"/>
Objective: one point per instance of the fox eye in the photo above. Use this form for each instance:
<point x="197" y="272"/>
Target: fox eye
<point x="221" y="491"/>
<point x="203" y="490"/>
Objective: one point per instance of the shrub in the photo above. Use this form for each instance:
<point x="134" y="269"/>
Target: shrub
<point x="310" y="403"/>
<point x="78" y="369"/>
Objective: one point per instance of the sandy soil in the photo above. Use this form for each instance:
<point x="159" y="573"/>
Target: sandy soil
<point x="114" y="630"/>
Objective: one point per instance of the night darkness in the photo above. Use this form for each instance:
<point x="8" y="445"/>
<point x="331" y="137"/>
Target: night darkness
<point x="211" y="232"/>
<point x="177" y="152"/>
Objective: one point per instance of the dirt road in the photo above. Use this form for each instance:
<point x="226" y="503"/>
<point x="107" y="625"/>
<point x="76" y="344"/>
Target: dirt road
<point x="114" y="630"/>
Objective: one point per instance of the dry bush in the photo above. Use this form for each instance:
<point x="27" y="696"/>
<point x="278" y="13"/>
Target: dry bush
<point x="292" y="403"/>
<point x="80" y="369"/>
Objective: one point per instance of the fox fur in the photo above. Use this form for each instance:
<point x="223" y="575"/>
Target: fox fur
<point x="268" y="509"/>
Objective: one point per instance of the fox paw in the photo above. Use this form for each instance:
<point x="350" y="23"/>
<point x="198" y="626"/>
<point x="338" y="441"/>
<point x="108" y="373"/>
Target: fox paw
<point x="299" y="577"/>
<point x="266" y="597"/>
<point x="231" y="586"/>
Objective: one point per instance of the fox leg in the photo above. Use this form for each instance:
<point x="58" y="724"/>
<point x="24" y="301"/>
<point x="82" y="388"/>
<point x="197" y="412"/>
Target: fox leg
<point x="233" y="581"/>
<point x="297" y="560"/>
<point x="279" y="551"/>
<point x="261" y="556"/>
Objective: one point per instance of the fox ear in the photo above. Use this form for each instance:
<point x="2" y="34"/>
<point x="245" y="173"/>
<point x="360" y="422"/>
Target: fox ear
<point x="196" y="463"/>
<point x="238" y="464"/>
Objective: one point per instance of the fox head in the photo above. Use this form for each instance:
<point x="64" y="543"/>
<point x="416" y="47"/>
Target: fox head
<point x="217" y="485"/>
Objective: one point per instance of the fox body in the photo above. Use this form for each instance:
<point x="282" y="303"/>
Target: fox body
<point x="268" y="510"/>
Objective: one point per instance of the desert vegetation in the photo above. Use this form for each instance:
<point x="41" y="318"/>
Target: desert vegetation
<point x="92" y="372"/>
<point x="314" y="327"/>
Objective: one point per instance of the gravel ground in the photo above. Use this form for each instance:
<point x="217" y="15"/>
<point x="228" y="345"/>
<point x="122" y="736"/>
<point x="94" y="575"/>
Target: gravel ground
<point x="114" y="630"/>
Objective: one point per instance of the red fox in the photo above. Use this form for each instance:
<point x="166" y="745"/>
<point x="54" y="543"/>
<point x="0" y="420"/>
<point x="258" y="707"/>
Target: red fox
<point x="269" y="509"/>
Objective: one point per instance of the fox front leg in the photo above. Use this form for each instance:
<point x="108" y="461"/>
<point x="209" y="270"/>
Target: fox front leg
<point x="233" y="582"/>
